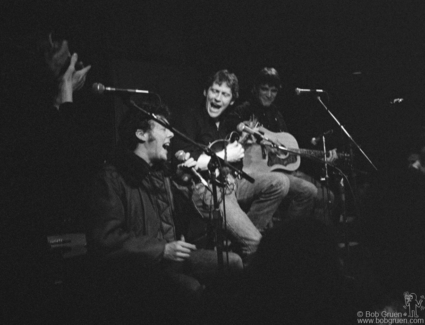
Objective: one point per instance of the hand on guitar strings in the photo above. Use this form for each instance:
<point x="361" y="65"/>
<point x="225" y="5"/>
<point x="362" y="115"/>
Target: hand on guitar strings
<point x="331" y="156"/>
<point x="249" y="138"/>
<point x="234" y="152"/>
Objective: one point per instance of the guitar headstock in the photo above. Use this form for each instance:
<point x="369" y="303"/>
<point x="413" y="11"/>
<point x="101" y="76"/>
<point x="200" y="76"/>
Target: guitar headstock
<point x="252" y="123"/>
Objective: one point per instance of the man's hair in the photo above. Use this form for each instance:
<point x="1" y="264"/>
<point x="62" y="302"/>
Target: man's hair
<point x="268" y="76"/>
<point x="224" y="76"/>
<point x="135" y="120"/>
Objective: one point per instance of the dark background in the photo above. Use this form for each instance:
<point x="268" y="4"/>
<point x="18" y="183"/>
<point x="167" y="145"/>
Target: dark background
<point x="364" y="53"/>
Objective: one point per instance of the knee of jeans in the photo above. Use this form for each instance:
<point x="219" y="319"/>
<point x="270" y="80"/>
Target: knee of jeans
<point x="281" y="181"/>
<point x="313" y="190"/>
<point x="255" y="241"/>
<point x="309" y="189"/>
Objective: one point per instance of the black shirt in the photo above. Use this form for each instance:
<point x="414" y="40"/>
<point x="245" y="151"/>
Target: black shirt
<point x="200" y="127"/>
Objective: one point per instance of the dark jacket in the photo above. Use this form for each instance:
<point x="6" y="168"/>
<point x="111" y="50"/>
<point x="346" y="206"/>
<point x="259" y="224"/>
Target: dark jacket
<point x="131" y="210"/>
<point x="201" y="128"/>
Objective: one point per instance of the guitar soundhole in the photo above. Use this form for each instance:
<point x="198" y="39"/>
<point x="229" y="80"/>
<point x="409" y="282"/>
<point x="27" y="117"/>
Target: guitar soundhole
<point x="275" y="160"/>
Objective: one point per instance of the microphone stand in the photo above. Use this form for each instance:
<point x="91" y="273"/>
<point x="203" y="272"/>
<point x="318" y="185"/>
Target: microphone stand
<point x="216" y="218"/>
<point x="328" y="203"/>
<point x="342" y="186"/>
<point x="205" y="149"/>
<point x="214" y="163"/>
<point x="341" y="183"/>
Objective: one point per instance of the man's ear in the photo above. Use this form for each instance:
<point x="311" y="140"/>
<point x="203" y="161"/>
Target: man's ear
<point x="142" y="135"/>
<point x="205" y="92"/>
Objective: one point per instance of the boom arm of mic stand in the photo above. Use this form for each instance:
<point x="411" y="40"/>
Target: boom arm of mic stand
<point x="205" y="149"/>
<point x="346" y="132"/>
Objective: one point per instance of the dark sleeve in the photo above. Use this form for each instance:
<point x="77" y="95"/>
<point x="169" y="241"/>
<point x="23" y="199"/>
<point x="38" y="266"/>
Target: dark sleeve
<point x="63" y="139"/>
<point x="242" y="112"/>
<point x="191" y="125"/>
<point x="109" y="235"/>
<point x="56" y="131"/>
<point x="67" y="109"/>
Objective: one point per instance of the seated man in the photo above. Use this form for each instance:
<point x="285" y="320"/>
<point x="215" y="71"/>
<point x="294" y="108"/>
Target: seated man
<point x="248" y="207"/>
<point x="133" y="226"/>
<point x="261" y="108"/>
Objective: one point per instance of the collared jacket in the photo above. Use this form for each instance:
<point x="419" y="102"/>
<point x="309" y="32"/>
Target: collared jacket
<point x="132" y="210"/>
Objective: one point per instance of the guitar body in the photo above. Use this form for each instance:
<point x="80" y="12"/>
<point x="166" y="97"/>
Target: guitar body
<point x="262" y="158"/>
<point x="220" y="144"/>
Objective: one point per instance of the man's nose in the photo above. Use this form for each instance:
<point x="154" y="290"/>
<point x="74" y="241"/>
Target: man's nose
<point x="218" y="97"/>
<point x="169" y="134"/>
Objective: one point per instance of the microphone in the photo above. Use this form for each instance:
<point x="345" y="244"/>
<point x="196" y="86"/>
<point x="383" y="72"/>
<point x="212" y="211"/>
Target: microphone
<point x="300" y="91"/>
<point x="181" y="156"/>
<point x="314" y="141"/>
<point x="242" y="127"/>
<point x="99" y="89"/>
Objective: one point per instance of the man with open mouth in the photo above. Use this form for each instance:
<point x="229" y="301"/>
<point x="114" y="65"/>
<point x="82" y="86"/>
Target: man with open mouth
<point x="248" y="207"/>
<point x="134" y="230"/>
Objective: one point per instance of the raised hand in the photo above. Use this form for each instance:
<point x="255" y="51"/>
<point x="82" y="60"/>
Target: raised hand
<point x="71" y="81"/>
<point x="75" y="78"/>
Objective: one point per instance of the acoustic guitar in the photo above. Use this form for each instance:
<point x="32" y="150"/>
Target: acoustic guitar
<point x="262" y="157"/>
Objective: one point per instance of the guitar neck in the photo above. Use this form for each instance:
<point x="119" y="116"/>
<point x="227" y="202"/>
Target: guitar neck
<point x="319" y="153"/>
<point x="311" y="152"/>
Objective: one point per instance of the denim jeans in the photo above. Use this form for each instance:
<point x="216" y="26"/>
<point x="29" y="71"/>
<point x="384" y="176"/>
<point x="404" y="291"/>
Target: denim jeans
<point x="249" y="207"/>
<point x="324" y="201"/>
<point x="302" y="196"/>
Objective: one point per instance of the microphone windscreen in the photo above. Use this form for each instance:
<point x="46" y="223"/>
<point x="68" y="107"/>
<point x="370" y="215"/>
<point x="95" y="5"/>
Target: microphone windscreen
<point x="241" y="126"/>
<point x="180" y="155"/>
<point x="98" y="88"/>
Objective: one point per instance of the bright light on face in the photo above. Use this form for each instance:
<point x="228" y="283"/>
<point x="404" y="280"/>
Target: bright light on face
<point x="266" y="94"/>
<point x="158" y="143"/>
<point x="218" y="98"/>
